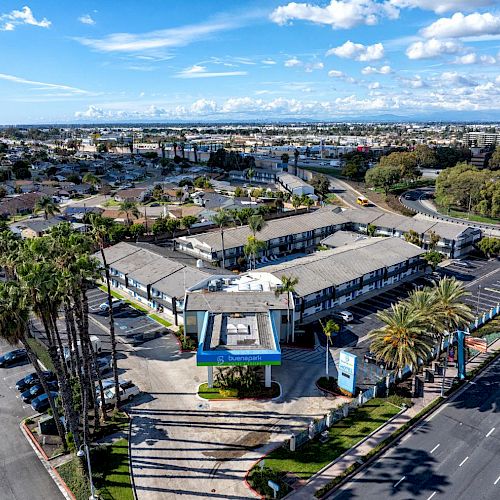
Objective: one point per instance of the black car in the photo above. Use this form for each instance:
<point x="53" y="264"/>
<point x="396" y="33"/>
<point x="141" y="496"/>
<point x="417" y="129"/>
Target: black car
<point x="13" y="357"/>
<point x="32" y="379"/>
<point x="37" y="390"/>
<point x="41" y="403"/>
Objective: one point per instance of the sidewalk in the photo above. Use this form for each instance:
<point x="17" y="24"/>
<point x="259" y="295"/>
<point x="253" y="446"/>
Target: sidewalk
<point x="431" y="392"/>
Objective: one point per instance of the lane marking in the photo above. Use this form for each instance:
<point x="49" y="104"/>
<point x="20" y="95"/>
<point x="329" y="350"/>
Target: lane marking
<point x="402" y="479"/>
<point x="489" y="433"/>
<point x="435" y="448"/>
<point x="498" y="479"/>
<point x="463" y="461"/>
<point x="432" y="494"/>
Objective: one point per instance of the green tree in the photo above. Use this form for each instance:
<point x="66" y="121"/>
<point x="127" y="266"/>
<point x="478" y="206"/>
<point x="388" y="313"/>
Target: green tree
<point x="403" y="338"/>
<point x="329" y="328"/>
<point x="494" y="163"/>
<point x="413" y="237"/>
<point x="129" y="209"/>
<point x="296" y="202"/>
<point x="425" y="156"/>
<point x="157" y="193"/>
<point x="321" y="184"/>
<point x="371" y="230"/>
<point x="221" y="219"/>
<point x="489" y="246"/>
<point x="137" y="230"/>
<point x="252" y="249"/>
<point x="433" y="258"/>
<point x="383" y="177"/>
<point x="285" y="158"/>
<point x="46" y="205"/>
<point x="187" y="222"/>
<point x="92" y="179"/>
<point x="256" y="223"/>
<point x="288" y="284"/>
<point x="355" y="165"/>
<point x="307" y="201"/>
<point x="21" y="169"/>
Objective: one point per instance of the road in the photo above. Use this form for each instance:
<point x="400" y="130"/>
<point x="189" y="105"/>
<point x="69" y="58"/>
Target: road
<point x="453" y="454"/>
<point x="417" y="202"/>
<point x="22" y="475"/>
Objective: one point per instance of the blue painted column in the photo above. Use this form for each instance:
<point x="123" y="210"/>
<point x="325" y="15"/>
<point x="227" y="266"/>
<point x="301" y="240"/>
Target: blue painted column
<point x="461" y="354"/>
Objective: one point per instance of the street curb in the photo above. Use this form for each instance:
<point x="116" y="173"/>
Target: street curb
<point x="400" y="436"/>
<point x="42" y="456"/>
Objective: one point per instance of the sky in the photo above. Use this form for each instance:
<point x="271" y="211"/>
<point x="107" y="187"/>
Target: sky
<point x="205" y="60"/>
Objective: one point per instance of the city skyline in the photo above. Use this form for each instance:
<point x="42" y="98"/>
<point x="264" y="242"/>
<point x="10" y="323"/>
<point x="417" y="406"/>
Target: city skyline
<point x="273" y="60"/>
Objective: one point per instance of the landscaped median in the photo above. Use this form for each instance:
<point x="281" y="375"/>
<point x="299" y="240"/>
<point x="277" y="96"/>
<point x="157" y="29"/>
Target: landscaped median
<point x="313" y="456"/>
<point x="216" y="393"/>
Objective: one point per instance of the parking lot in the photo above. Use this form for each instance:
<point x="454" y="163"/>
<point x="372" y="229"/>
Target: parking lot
<point x="131" y="325"/>
<point x="23" y="475"/>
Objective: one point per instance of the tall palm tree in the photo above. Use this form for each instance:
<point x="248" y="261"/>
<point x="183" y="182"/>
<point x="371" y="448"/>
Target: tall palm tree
<point x="14" y="327"/>
<point x="129" y="208"/>
<point x="256" y="223"/>
<point x="403" y="339"/>
<point x="424" y="301"/>
<point x="288" y="284"/>
<point x="329" y="328"/>
<point x="99" y="231"/>
<point x="252" y="249"/>
<point x="46" y="205"/>
<point x="9" y="252"/>
<point x="221" y="219"/>
<point x="452" y="312"/>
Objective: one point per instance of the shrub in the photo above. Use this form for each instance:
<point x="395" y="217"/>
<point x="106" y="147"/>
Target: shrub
<point x="229" y="393"/>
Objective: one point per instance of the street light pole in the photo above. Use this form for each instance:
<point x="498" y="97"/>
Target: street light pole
<point x="478" y="296"/>
<point x="85" y="453"/>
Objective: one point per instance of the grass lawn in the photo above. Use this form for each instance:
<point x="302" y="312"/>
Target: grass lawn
<point x="110" y="471"/>
<point x="116" y="295"/>
<point x="214" y="393"/>
<point x="162" y="321"/>
<point x="472" y="217"/>
<point x="111" y="203"/>
<point x="333" y="171"/>
<point x="313" y="456"/>
<point x="41" y="353"/>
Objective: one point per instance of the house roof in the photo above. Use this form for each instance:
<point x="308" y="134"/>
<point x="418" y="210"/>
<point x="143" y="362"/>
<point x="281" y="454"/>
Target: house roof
<point x="341" y="238"/>
<point x="117" y="252"/>
<point x="233" y="301"/>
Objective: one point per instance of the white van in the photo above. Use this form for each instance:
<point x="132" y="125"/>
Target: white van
<point x="346" y="316"/>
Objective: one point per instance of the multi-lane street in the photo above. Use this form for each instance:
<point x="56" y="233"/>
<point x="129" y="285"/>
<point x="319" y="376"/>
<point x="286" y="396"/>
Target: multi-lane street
<point x="452" y="454"/>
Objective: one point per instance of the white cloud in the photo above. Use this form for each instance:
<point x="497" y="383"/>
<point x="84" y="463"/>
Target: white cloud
<point x="162" y="39"/>
<point x="333" y="73"/>
<point x="358" y="51"/>
<point x="203" y="106"/>
<point x="339" y="14"/>
<point x="473" y="58"/>
<point x="433" y="48"/>
<point x="198" y="71"/>
<point x="42" y="85"/>
<point x="454" y="78"/>
<point x="372" y="70"/>
<point x="441" y="6"/>
<point x="269" y="62"/>
<point x="293" y="62"/>
<point x="374" y="85"/>
<point x="86" y="19"/>
<point x="458" y="26"/>
<point x="416" y="82"/>
<point x="8" y="22"/>
<point x="310" y="67"/>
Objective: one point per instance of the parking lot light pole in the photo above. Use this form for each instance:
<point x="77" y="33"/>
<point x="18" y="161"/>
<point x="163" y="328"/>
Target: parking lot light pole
<point x="81" y="453"/>
<point x="478" y="297"/>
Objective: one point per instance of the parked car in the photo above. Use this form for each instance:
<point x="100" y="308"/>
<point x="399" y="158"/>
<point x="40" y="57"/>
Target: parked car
<point x="104" y="364"/>
<point x="462" y="263"/>
<point x="104" y="307"/>
<point x="37" y="390"/>
<point x="13" y="357"/>
<point x="347" y="316"/>
<point x="32" y="379"/>
<point x="127" y="391"/>
<point x="41" y="403"/>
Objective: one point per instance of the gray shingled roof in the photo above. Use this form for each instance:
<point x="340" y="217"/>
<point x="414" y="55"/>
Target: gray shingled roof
<point x="341" y="238"/>
<point x="176" y="283"/>
<point x="341" y="265"/>
<point x="233" y="301"/>
<point x="117" y="252"/>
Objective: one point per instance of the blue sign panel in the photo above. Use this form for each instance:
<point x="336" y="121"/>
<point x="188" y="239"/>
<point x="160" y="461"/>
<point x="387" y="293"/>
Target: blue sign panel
<point x="347" y="371"/>
<point x="237" y="358"/>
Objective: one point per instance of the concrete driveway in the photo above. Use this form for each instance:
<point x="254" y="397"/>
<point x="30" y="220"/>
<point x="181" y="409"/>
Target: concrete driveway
<point x="184" y="446"/>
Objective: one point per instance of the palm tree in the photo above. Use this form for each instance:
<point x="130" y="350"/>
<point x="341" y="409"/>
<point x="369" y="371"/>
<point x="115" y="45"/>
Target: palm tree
<point x="93" y="180"/>
<point x="9" y="252"/>
<point x="329" y="328"/>
<point x="451" y="311"/>
<point x="252" y="249"/>
<point x="249" y="174"/>
<point x="99" y="231"/>
<point x="221" y="219"/>
<point x="288" y="286"/>
<point x="47" y="205"/>
<point x="129" y="208"/>
<point x="403" y="339"/>
<point x="14" y="327"/>
<point x="307" y="202"/>
<point x="256" y="223"/>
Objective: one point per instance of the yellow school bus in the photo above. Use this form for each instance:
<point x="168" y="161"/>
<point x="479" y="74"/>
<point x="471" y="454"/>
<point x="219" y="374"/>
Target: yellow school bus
<point x="361" y="200"/>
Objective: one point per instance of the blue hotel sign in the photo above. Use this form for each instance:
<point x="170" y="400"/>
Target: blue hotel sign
<point x="347" y="371"/>
<point x="237" y="358"/>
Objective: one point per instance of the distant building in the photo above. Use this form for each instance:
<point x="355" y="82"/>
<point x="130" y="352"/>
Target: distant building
<point x="294" y="185"/>
<point x="481" y="139"/>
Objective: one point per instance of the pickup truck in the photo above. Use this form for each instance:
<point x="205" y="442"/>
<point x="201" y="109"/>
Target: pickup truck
<point x="127" y="391"/>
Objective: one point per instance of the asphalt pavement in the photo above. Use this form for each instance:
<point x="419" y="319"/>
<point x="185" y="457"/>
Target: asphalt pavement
<point x="453" y="454"/>
<point x="22" y="475"/>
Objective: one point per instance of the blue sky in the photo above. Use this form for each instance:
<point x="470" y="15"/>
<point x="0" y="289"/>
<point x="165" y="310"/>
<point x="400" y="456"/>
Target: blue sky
<point x="217" y="60"/>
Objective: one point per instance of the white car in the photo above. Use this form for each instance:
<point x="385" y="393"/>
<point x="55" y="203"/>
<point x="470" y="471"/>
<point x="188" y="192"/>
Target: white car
<point x="127" y="391"/>
<point x="346" y="316"/>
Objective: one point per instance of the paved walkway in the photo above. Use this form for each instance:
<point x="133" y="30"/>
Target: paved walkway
<point x="432" y="391"/>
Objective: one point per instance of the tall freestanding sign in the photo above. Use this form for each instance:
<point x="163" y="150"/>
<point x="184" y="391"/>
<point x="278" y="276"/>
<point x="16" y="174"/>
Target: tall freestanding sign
<point x="348" y="363"/>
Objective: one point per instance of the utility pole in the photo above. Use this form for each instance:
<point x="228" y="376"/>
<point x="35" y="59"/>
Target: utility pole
<point x="478" y="298"/>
